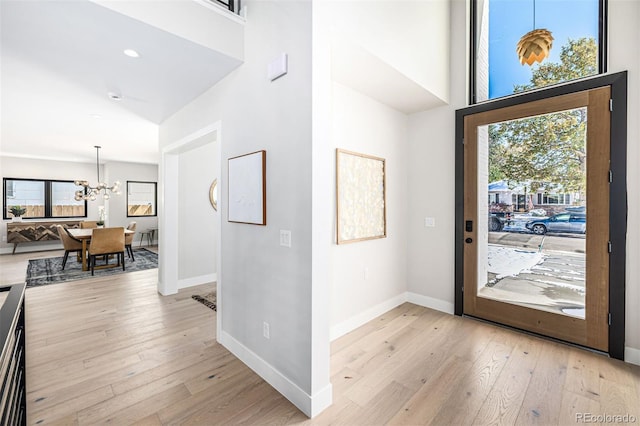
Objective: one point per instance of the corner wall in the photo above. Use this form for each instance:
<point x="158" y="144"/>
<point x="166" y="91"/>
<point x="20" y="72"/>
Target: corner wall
<point x="369" y="276"/>
<point x="259" y="280"/>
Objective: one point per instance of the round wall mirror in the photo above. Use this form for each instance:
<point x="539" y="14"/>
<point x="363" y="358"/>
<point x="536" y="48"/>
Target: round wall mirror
<point x="213" y="194"/>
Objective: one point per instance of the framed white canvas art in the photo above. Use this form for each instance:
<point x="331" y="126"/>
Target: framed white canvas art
<point x="247" y="188"/>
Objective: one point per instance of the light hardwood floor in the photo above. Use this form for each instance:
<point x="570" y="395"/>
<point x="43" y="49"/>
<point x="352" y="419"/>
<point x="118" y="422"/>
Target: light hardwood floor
<point x="113" y="351"/>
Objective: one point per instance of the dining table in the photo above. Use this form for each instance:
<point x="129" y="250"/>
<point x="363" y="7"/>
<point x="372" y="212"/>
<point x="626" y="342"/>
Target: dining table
<point x="84" y="235"/>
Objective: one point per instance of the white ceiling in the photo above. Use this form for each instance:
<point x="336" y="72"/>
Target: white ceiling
<point x="59" y="61"/>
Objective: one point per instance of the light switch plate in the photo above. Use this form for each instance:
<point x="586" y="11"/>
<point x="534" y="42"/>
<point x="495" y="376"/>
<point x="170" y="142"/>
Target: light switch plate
<point x="285" y="238"/>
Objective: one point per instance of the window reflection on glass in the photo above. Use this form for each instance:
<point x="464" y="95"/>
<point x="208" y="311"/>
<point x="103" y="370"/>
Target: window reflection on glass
<point x="141" y="199"/>
<point x="499" y="26"/>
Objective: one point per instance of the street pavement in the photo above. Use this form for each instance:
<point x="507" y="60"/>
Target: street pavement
<point x="557" y="284"/>
<point x="574" y="243"/>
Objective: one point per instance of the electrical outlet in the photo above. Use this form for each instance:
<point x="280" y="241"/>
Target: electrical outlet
<point x="430" y="222"/>
<point x="265" y="330"/>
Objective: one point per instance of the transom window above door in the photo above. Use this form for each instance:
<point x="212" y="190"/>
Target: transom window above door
<point x="520" y="45"/>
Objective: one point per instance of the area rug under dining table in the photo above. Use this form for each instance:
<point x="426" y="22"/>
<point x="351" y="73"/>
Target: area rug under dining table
<point x="49" y="270"/>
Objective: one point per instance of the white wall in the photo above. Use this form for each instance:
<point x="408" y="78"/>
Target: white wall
<point x="408" y="35"/>
<point x="369" y="273"/>
<point x="260" y="281"/>
<point x="432" y="160"/>
<point x="44" y="169"/>
<point x="432" y="179"/>
<point x="116" y="206"/>
<point x="197" y="245"/>
<point x="410" y="38"/>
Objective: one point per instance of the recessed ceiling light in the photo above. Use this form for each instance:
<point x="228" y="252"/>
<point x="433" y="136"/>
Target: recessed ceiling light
<point x="96" y="116"/>
<point x="131" y="53"/>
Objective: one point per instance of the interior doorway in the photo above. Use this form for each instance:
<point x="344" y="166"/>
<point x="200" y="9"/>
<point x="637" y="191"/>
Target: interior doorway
<point x="171" y="201"/>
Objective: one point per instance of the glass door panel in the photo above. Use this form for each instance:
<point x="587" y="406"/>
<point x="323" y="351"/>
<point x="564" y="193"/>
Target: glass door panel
<point x="532" y="220"/>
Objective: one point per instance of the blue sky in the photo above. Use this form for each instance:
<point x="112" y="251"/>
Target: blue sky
<point x="511" y="19"/>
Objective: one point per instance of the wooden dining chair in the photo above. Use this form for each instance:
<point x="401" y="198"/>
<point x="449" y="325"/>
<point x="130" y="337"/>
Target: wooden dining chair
<point x="88" y="224"/>
<point x="71" y="245"/>
<point x="104" y="242"/>
<point x="128" y="240"/>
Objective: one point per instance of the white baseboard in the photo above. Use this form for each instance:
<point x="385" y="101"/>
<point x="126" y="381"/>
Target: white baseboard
<point x="362" y="318"/>
<point x="193" y="281"/>
<point x="430" y="302"/>
<point x="309" y="405"/>
<point x="321" y="400"/>
<point x="632" y="355"/>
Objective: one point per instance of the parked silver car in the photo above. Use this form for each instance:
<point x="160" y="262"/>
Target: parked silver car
<point x="561" y="222"/>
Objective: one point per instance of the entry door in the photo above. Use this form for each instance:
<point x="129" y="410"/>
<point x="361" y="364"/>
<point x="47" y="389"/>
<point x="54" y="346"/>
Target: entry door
<point x="551" y="282"/>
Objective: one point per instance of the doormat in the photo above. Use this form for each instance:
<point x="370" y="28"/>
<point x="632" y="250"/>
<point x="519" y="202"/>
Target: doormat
<point x="208" y="300"/>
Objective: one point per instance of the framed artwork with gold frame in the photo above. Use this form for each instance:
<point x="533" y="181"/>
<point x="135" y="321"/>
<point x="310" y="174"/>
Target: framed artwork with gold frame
<point x="360" y="197"/>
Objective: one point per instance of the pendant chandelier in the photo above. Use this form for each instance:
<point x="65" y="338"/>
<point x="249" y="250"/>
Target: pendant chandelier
<point x="535" y="45"/>
<point x="92" y="192"/>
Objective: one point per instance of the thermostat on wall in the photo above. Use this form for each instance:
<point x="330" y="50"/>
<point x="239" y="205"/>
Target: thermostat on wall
<point x="278" y="67"/>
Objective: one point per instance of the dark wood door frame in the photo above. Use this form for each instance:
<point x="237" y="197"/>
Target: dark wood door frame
<point x="618" y="191"/>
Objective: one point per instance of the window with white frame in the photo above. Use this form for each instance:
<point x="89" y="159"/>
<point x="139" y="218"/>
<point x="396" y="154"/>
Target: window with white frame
<point x="562" y="199"/>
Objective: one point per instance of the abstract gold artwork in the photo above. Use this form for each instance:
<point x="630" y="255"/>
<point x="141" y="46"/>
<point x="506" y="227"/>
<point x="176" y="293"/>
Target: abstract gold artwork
<point x="360" y="197"/>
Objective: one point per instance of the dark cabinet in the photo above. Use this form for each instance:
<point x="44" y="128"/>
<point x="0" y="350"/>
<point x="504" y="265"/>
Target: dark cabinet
<point x="13" y="391"/>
